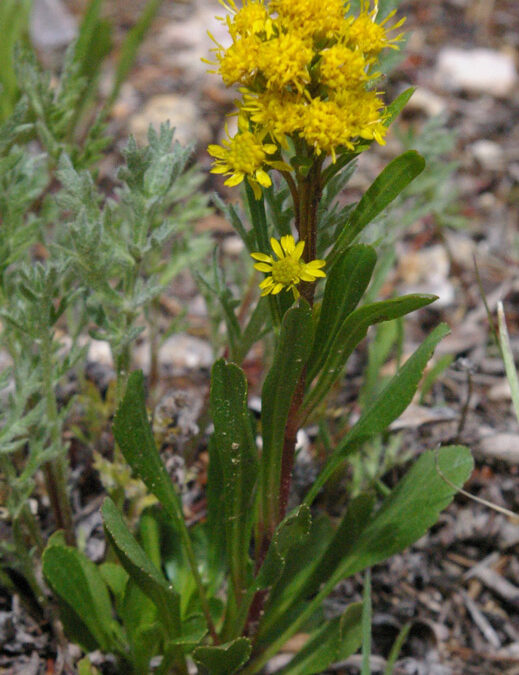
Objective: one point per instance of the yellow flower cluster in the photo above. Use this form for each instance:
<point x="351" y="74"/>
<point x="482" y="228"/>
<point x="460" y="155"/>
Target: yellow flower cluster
<point x="305" y="69"/>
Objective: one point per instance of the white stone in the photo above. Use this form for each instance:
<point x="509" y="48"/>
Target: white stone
<point x="478" y="71"/>
<point x="489" y="154"/>
<point x="427" y="102"/>
<point x="99" y="352"/>
<point x="182" y="114"/>
<point x="52" y="26"/>
<point x="185" y="351"/>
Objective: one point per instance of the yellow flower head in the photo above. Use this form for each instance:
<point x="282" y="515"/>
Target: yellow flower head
<point x="244" y="155"/>
<point x="251" y="19"/>
<point x="341" y="67"/>
<point x="279" y="115"/>
<point x="371" y="37"/>
<point x="289" y="270"/>
<point x="284" y="62"/>
<point x="310" y="18"/>
<point x="239" y="62"/>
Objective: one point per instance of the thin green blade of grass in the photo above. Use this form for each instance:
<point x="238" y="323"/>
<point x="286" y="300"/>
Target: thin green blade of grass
<point x="508" y="358"/>
<point x="396" y="648"/>
<point x="366" y="625"/>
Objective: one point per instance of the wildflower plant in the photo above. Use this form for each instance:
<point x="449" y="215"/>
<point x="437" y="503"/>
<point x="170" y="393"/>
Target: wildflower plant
<point x="227" y="593"/>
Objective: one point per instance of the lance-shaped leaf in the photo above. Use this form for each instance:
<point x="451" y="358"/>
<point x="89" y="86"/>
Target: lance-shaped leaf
<point x="77" y="581"/>
<point x="134" y="436"/>
<point x="352" y="331"/>
<point x="335" y="641"/>
<point x="405" y="515"/>
<point x="291" y="532"/>
<point x="409" y="511"/>
<point x="141" y="569"/>
<point x="345" y="286"/>
<point x="294" y="345"/>
<point x="325" y="560"/>
<point x="225" y="659"/>
<point x="237" y="458"/>
<point x="387" y="186"/>
<point x="387" y="406"/>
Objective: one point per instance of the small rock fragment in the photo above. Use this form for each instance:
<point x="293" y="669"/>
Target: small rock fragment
<point x="477" y="71"/>
<point x="52" y="26"/>
<point x="182" y="114"/>
<point x="489" y="154"/>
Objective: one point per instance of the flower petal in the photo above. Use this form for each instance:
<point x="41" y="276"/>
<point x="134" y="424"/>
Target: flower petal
<point x="266" y="283"/>
<point x="255" y="187"/>
<point x="220" y="168"/>
<point x="288" y="243"/>
<point x="317" y="264"/>
<point x="216" y="151"/>
<point x="277" y="289"/>
<point x="298" y="250"/>
<point x="262" y="256"/>
<point x="263" y="267"/>
<point x="235" y="179"/>
<point x="263" y="178"/>
<point x="276" y="248"/>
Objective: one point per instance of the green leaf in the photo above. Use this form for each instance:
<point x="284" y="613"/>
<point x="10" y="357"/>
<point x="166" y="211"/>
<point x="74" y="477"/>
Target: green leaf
<point x="326" y="554"/>
<point x="345" y="286"/>
<point x="335" y="641"/>
<point x="405" y="515"/>
<point x="237" y="458"/>
<point x="115" y="577"/>
<point x="134" y="436"/>
<point x="389" y="184"/>
<point x="354" y="329"/>
<point x="225" y="659"/>
<point x="131" y="44"/>
<point x="291" y="532"/>
<point x="78" y="582"/>
<point x="141" y="569"/>
<point x="387" y="406"/>
<point x="294" y="345"/>
<point x="366" y="624"/>
<point x="410" y="510"/>
<point x="395" y="107"/>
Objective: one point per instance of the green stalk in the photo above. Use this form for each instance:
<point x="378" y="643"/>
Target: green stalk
<point x="56" y="470"/>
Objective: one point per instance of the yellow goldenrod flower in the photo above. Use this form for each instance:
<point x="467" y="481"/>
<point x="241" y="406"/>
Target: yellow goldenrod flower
<point x="251" y="19"/>
<point x="289" y="270"/>
<point x="365" y="112"/>
<point x="341" y="67"/>
<point x="284" y="60"/>
<point x="321" y="19"/>
<point x="239" y="62"/>
<point x="280" y="115"/>
<point x="244" y="155"/>
<point x="371" y="37"/>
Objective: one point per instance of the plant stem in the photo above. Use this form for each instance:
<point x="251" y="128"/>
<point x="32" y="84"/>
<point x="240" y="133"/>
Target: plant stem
<point x="56" y="470"/>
